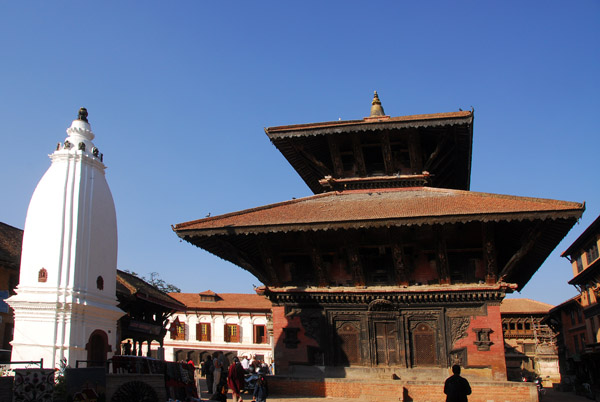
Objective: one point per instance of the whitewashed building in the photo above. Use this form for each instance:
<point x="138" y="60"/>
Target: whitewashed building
<point x="236" y="324"/>
<point x="65" y="304"/>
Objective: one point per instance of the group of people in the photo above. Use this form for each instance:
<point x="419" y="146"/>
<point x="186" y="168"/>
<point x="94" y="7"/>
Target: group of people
<point x="221" y="376"/>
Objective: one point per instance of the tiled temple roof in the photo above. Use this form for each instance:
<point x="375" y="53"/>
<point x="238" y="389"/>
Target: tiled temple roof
<point x="524" y="306"/>
<point x="224" y="302"/>
<point x="360" y="208"/>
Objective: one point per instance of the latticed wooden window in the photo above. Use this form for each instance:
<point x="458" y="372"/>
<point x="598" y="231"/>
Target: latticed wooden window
<point x="232" y="333"/>
<point x="203" y="332"/>
<point x="424" y="345"/>
<point x="260" y="334"/>
<point x="591" y="252"/>
<point x="349" y="344"/>
<point x="177" y="330"/>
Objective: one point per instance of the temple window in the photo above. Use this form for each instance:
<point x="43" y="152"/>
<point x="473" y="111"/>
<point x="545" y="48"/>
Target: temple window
<point x="100" y="283"/>
<point x="232" y="333"/>
<point x="579" y="263"/>
<point x="42" y="275"/>
<point x="260" y="334"/>
<point x="591" y="252"/>
<point x="424" y="345"/>
<point x="377" y="263"/>
<point x="177" y="330"/>
<point x="203" y="332"/>
<point x="290" y="338"/>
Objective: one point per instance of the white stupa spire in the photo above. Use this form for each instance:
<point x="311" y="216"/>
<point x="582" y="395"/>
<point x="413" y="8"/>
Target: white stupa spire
<point x="65" y="304"/>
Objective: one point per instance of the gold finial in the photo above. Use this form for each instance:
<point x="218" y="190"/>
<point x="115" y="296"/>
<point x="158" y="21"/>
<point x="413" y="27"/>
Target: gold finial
<point x="376" y="108"/>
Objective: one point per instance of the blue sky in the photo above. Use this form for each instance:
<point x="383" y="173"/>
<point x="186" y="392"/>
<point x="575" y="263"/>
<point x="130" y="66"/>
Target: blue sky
<point x="178" y="94"/>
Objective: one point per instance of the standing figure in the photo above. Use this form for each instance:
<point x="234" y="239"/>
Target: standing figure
<point x="456" y="387"/>
<point x="235" y="379"/>
<point x="261" y="392"/>
<point x="207" y="371"/>
<point x="217" y="372"/>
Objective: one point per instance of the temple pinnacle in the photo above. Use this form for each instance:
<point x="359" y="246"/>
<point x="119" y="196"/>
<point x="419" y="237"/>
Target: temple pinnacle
<point x="376" y="108"/>
<point x="83" y="114"/>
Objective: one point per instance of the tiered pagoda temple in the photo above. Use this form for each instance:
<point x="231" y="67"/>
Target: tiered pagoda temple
<point x="393" y="265"/>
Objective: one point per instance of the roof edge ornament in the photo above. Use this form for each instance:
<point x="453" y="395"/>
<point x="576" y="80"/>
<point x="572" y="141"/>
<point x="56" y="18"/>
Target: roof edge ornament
<point x="376" y="108"/>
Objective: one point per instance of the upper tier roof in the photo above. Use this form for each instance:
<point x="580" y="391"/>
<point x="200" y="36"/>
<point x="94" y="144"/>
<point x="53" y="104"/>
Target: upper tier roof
<point x="438" y="144"/>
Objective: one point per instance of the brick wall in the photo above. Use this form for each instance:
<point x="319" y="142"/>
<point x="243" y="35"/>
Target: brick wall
<point x="404" y="391"/>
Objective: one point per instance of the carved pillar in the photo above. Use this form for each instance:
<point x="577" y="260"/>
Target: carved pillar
<point x="414" y="152"/>
<point x="489" y="253"/>
<point x="266" y="254"/>
<point x="400" y="265"/>
<point x="358" y="156"/>
<point x="316" y="259"/>
<point x="386" y="150"/>
<point x="358" y="275"/>
<point x="442" y="257"/>
<point x="336" y="157"/>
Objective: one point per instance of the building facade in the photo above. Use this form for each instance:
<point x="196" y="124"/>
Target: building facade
<point x="233" y="323"/>
<point x="530" y="345"/>
<point x="579" y="318"/>
<point x="393" y="265"/>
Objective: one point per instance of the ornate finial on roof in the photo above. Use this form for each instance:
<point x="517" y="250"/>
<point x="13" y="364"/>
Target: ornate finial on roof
<point x="376" y="108"/>
<point x="83" y="114"/>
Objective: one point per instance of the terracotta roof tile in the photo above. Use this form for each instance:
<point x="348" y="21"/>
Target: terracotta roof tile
<point x="128" y="284"/>
<point x="225" y="302"/>
<point x="524" y="306"/>
<point x="416" y="205"/>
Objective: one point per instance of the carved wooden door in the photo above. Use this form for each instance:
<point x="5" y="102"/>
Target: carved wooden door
<point x="386" y="343"/>
<point x="424" y="347"/>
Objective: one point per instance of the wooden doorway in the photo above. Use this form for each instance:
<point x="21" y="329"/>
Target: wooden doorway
<point x="97" y="348"/>
<point x="386" y="343"/>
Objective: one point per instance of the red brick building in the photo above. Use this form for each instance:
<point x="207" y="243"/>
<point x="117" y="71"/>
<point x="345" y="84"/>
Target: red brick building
<point x="530" y="344"/>
<point x="578" y="319"/>
<point x="393" y="266"/>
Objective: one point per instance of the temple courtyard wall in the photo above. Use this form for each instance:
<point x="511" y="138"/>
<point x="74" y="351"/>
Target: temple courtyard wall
<point x="397" y="390"/>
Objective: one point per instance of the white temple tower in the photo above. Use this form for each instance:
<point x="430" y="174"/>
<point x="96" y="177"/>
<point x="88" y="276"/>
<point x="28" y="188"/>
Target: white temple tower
<point x="66" y="306"/>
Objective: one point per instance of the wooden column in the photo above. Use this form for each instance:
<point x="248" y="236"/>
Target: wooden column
<point x="266" y="254"/>
<point x="489" y="253"/>
<point x="317" y="261"/>
<point x="336" y="157"/>
<point x="386" y="150"/>
<point x="358" y="276"/>
<point x="415" y="153"/>
<point x="400" y="265"/>
<point x="359" y="158"/>
<point x="442" y="256"/>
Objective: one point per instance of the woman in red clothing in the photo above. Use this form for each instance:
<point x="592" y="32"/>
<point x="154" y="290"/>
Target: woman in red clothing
<point x="235" y="379"/>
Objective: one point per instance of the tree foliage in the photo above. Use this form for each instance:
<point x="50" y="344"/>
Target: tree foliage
<point x="156" y="281"/>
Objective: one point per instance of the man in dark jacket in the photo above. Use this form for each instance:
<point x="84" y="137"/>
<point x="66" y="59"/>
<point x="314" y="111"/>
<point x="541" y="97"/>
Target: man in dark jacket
<point x="456" y="388"/>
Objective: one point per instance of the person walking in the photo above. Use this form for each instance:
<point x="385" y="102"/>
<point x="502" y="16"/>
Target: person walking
<point x="235" y="379"/>
<point x="217" y="371"/>
<point x="261" y="391"/>
<point x="207" y="371"/>
<point x="456" y="387"/>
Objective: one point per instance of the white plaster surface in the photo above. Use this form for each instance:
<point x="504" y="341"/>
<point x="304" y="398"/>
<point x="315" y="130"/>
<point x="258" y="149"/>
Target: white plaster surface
<point x="71" y="232"/>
